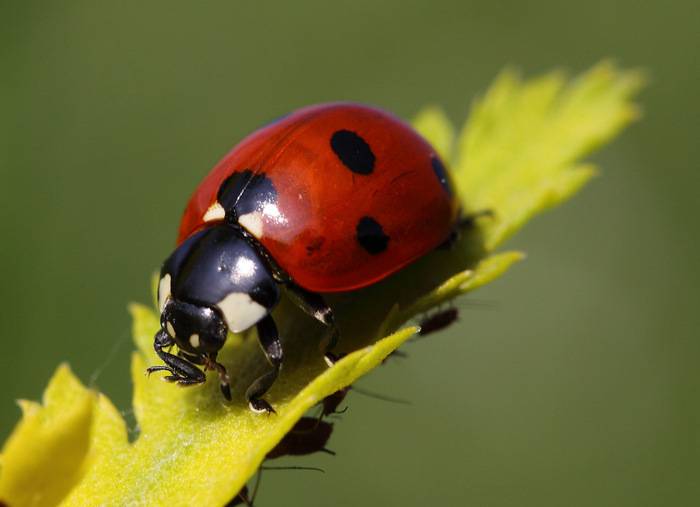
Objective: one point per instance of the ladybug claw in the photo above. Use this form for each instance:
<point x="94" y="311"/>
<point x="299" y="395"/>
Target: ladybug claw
<point x="331" y="358"/>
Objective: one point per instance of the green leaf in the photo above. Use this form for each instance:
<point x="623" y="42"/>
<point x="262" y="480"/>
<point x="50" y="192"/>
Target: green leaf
<point x="518" y="152"/>
<point x="517" y="155"/>
<point x="55" y="436"/>
<point x="433" y="124"/>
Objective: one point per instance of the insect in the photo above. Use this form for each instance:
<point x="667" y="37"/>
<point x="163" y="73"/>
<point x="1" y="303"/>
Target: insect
<point x="330" y="404"/>
<point x="330" y="198"/>
<point x="438" y="321"/>
<point x="309" y="435"/>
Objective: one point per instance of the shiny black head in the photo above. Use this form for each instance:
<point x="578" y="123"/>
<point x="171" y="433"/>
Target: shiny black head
<point x="196" y="329"/>
<point x="215" y="281"/>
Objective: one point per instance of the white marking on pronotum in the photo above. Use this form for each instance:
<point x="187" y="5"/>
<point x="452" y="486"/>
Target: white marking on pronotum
<point x="163" y="291"/>
<point x="328" y="361"/>
<point x="253" y="223"/>
<point x="240" y="311"/>
<point x="194" y="340"/>
<point x="215" y="212"/>
<point x="171" y="330"/>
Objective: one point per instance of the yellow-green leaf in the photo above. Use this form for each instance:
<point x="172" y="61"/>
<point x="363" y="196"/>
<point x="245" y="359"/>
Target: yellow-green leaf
<point x="217" y="445"/>
<point x="518" y="154"/>
<point x="45" y="455"/>
<point x="433" y="124"/>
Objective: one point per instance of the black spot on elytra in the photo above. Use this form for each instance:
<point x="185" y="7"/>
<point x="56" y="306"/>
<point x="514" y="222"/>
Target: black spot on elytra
<point x="371" y="236"/>
<point x="353" y="151"/>
<point x="244" y="192"/>
<point x="441" y="173"/>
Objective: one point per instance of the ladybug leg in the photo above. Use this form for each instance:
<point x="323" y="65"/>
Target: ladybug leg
<point x="330" y="357"/>
<point x="181" y="381"/>
<point x="209" y="364"/>
<point x="181" y="371"/>
<point x="314" y="305"/>
<point x="224" y="379"/>
<point x="311" y="303"/>
<point x="191" y="358"/>
<point x="272" y="347"/>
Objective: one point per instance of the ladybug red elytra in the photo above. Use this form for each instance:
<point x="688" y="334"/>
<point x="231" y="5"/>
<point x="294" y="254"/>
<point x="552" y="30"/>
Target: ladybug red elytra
<point x="330" y="198"/>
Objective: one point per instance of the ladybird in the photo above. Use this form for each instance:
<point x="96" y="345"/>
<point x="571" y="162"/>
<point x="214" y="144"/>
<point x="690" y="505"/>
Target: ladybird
<point x="330" y="198"/>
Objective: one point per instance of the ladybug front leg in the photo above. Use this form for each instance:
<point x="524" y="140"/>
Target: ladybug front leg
<point x="181" y="371"/>
<point x="314" y="305"/>
<point x="209" y="363"/>
<point x="272" y="347"/>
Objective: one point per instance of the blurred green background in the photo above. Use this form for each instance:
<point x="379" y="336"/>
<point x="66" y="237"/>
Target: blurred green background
<point x="575" y="384"/>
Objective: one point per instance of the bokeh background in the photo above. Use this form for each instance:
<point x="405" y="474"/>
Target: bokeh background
<point x="572" y="381"/>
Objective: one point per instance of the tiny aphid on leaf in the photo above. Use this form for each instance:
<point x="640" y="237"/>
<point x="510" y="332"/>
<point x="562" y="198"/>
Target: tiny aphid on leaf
<point x="309" y="435"/>
<point x="330" y="404"/>
<point x="438" y="321"/>
<point x="331" y="198"/>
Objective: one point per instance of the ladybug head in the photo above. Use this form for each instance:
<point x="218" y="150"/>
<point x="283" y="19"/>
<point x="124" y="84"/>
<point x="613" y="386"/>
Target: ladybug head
<point x="214" y="282"/>
<point x="196" y="329"/>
